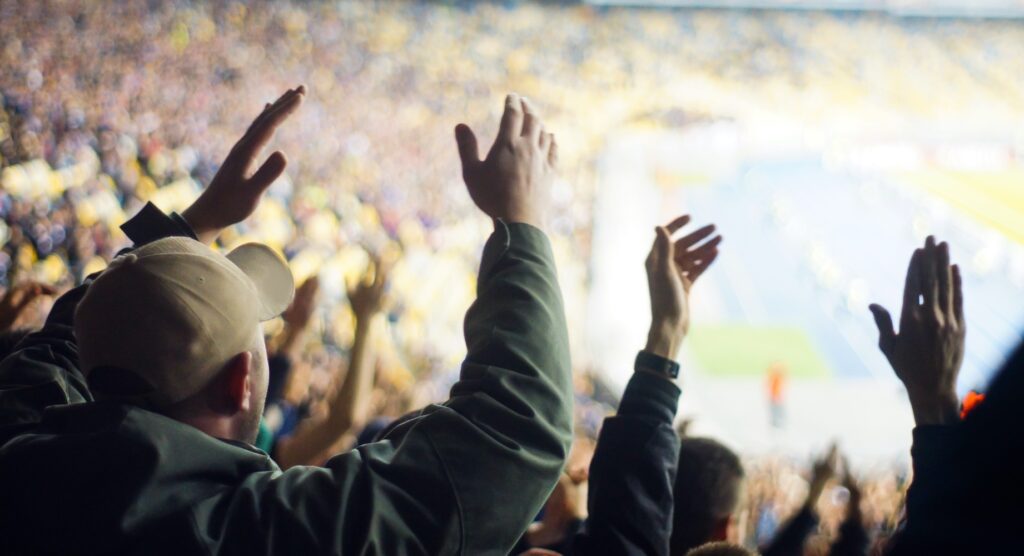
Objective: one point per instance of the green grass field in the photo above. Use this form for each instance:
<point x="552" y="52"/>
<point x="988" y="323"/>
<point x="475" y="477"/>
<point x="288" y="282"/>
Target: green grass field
<point x="747" y="351"/>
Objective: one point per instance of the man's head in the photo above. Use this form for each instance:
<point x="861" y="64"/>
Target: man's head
<point x="707" y="490"/>
<point x="175" y="326"/>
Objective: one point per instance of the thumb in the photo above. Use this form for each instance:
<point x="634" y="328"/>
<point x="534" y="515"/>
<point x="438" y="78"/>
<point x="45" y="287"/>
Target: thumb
<point x="270" y="171"/>
<point x="469" y="152"/>
<point x="886" y="333"/>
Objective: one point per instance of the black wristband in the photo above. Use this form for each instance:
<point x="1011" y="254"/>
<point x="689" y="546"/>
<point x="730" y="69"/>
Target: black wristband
<point x="647" y="361"/>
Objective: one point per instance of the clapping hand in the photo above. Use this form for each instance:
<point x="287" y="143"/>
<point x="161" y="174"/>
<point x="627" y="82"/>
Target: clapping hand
<point x="511" y="182"/>
<point x="236" y="190"/>
<point x="672" y="269"/>
<point x="929" y="349"/>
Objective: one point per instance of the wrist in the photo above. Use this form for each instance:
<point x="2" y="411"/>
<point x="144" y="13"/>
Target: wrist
<point x="204" y="233"/>
<point x="935" y="408"/>
<point x="663" y="341"/>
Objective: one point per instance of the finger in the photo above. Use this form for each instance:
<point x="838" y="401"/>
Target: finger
<point x="532" y="126"/>
<point x="270" y="171"/>
<point x="663" y="244"/>
<point x="264" y="130"/>
<point x="833" y="455"/>
<point x="553" y="152"/>
<point x="695" y="237"/>
<point x="942" y="272"/>
<point x="886" y="332"/>
<point x="912" y="286"/>
<point x="653" y="255"/>
<point x="545" y="142"/>
<point x="702" y="266"/>
<point x="700" y="253"/>
<point x="381" y="275"/>
<point x="269" y="107"/>
<point x="511" y="119"/>
<point x="469" y="149"/>
<point x="958" y="296"/>
<point x="679" y="222"/>
<point x="929" y="281"/>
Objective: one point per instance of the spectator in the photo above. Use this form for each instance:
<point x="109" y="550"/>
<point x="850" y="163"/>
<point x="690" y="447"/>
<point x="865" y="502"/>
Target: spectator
<point x="633" y="468"/>
<point x="146" y="483"/>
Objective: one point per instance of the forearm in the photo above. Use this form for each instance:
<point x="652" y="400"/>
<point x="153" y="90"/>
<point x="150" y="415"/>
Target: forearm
<point x="515" y="390"/>
<point x="289" y="343"/>
<point x="349" y="405"/>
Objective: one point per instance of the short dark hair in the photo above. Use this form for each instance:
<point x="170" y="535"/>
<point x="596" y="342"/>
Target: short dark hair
<point x="707" y="490"/>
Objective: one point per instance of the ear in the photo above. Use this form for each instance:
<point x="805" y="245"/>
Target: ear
<point x="721" y="529"/>
<point x="237" y="383"/>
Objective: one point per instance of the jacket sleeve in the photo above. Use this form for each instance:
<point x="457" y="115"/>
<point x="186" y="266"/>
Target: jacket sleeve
<point x="936" y="498"/>
<point x="463" y="477"/>
<point x="791" y="538"/>
<point x="633" y="472"/>
<point x="43" y="371"/>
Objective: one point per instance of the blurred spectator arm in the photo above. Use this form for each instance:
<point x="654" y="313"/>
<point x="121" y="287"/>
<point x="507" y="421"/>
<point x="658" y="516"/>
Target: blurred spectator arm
<point x="853" y="537"/>
<point x="349" y="405"/>
<point x="791" y="538"/>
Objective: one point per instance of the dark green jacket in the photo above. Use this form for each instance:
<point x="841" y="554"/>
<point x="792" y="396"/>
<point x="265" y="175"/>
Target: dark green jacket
<point x="466" y="477"/>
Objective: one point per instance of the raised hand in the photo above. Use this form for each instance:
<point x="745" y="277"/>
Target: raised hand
<point x="929" y="349"/>
<point x="235" y="191"/>
<point x="512" y="181"/>
<point x="300" y="312"/>
<point x="672" y="268"/>
<point x="367" y="296"/>
<point x="823" y="471"/>
<point x="18" y="298"/>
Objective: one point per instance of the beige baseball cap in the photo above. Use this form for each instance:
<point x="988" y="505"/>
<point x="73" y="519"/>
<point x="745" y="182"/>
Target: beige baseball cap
<point x="173" y="312"/>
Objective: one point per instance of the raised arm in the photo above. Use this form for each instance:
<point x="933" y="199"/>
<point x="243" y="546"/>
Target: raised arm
<point x="926" y="355"/>
<point x="466" y="476"/>
<point x="792" y="537"/>
<point x="631" y="477"/>
<point x="853" y="538"/>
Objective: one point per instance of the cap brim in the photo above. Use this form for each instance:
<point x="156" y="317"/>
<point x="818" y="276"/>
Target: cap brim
<point x="269" y="273"/>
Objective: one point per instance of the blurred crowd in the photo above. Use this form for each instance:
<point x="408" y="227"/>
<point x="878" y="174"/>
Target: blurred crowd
<point x="109" y="105"/>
